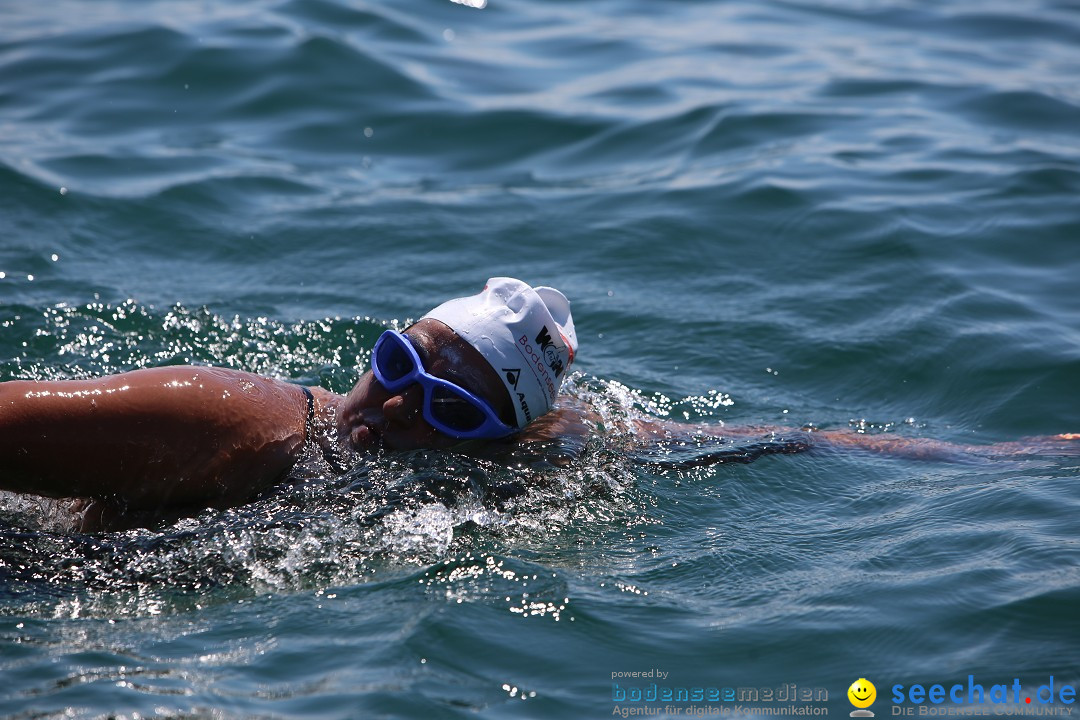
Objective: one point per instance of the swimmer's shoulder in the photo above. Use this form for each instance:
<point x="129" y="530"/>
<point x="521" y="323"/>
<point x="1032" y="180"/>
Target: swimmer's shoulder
<point x="570" y="418"/>
<point x="559" y="437"/>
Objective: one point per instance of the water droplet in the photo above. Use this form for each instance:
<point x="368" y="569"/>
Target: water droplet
<point x="63" y="191"/>
<point x="448" y="35"/>
<point x="368" y="132"/>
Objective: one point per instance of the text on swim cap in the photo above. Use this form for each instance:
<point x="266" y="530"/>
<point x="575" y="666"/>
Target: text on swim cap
<point x="536" y="362"/>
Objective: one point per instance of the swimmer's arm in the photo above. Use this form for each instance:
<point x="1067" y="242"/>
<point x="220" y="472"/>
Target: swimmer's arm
<point x="558" y="437"/>
<point x="574" y="420"/>
<point x="652" y="431"/>
<point x="928" y="449"/>
<point x="150" y="439"/>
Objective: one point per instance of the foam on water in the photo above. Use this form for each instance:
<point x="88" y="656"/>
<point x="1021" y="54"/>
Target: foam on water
<point x="388" y="512"/>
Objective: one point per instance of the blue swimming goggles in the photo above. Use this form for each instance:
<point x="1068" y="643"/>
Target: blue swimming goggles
<point x="449" y="408"/>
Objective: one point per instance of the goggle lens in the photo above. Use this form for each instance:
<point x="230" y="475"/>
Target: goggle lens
<point x="394" y="361"/>
<point x="454" y="410"/>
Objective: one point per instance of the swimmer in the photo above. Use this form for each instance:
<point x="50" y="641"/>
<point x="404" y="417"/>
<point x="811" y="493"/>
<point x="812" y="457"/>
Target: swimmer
<point x="481" y="372"/>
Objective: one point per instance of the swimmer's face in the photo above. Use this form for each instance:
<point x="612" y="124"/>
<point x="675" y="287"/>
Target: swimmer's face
<point x="375" y="415"/>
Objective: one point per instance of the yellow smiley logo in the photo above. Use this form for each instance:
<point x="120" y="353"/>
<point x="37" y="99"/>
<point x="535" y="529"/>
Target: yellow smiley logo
<point x="862" y="693"/>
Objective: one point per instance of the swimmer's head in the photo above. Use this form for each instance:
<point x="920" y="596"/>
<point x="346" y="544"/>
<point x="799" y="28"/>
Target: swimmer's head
<point x="526" y="334"/>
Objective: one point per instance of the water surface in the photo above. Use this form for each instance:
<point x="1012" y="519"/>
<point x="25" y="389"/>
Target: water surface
<point x="849" y="214"/>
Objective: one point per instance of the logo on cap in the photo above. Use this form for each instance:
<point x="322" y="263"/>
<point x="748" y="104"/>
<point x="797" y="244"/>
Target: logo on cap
<point x="524" y="407"/>
<point x="551" y="353"/>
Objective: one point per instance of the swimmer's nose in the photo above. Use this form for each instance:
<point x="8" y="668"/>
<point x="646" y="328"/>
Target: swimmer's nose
<point x="404" y="408"/>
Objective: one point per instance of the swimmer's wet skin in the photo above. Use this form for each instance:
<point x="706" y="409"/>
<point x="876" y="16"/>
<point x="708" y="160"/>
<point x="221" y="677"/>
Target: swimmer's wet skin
<point x="177" y="437"/>
<point x="484" y="369"/>
<point x="164" y="436"/>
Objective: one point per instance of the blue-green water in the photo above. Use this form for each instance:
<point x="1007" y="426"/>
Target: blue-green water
<point x="848" y="213"/>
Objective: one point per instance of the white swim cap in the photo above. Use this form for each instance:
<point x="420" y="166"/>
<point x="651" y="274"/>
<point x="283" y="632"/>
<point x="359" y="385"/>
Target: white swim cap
<point x="525" y="333"/>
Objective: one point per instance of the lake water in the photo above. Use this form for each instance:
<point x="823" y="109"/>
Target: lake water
<point x="855" y="214"/>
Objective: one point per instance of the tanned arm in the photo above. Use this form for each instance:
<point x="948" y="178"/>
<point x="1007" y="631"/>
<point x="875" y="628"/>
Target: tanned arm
<point x="574" y="418"/>
<point x="659" y="431"/>
<point x="927" y="449"/>
<point x="151" y="439"/>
